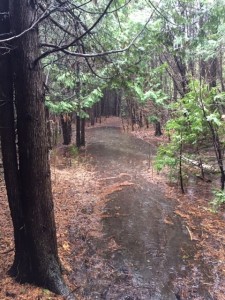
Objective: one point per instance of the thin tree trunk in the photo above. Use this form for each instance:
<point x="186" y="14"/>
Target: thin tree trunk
<point x="158" y="131"/>
<point x="66" y="128"/>
<point x="78" y="138"/>
<point x="212" y="72"/>
<point x="220" y="71"/>
<point x="82" y="132"/>
<point x="180" y="168"/>
<point x="92" y="116"/>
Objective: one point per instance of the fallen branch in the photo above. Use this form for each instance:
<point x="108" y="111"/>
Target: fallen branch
<point x="197" y="164"/>
<point x="189" y="231"/>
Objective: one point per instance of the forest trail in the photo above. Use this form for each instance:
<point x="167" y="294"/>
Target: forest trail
<point x="119" y="236"/>
<point x="145" y="246"/>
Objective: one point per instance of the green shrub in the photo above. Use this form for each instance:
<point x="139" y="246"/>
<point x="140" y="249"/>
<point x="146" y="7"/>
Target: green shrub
<point x="218" y="200"/>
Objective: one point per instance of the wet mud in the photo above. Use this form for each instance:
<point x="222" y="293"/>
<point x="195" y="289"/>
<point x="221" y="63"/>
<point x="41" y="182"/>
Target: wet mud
<point x="152" y="246"/>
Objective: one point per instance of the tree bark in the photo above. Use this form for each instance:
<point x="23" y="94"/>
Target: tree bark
<point x="8" y="147"/>
<point x="212" y="72"/>
<point x="66" y="128"/>
<point x="92" y="116"/>
<point x="82" y="132"/>
<point x="78" y="137"/>
<point x="158" y="131"/>
<point x="34" y="170"/>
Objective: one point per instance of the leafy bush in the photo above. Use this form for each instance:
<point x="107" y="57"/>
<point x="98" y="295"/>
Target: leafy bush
<point x="218" y="200"/>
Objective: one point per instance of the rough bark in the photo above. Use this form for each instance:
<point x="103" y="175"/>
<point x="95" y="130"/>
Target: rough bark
<point x="66" y="124"/>
<point x="158" y="131"/>
<point x="34" y="170"/>
<point x="8" y="146"/>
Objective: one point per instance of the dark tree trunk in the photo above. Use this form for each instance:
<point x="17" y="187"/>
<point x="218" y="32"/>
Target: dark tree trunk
<point x="92" y="116"/>
<point x="181" y="66"/>
<point x="202" y="69"/>
<point x="220" y="71"/>
<point x="9" y="156"/>
<point x="82" y="132"/>
<point x="96" y="112"/>
<point x="66" y="124"/>
<point x="34" y="170"/>
<point x="141" y="119"/>
<point x="99" y="111"/>
<point x="146" y="122"/>
<point x="212" y="72"/>
<point x="158" y="131"/>
<point x="180" y="169"/>
<point x="78" y="137"/>
<point x="49" y="130"/>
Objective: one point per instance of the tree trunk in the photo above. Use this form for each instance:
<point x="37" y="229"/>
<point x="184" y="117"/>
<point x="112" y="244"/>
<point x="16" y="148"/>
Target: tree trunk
<point x="212" y="72"/>
<point x="92" y="116"/>
<point x="82" y="132"/>
<point x="158" y="131"/>
<point x="181" y="66"/>
<point x="34" y="170"/>
<point x="180" y="168"/>
<point x="66" y="128"/>
<point x="9" y="156"/>
<point x="49" y="129"/>
<point x="78" y="138"/>
<point x="220" y="71"/>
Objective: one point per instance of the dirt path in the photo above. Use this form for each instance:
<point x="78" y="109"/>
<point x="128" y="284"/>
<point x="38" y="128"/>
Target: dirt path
<point x="144" y="246"/>
<point x="118" y="235"/>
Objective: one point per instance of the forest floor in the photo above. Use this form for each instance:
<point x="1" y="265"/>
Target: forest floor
<point x="80" y="198"/>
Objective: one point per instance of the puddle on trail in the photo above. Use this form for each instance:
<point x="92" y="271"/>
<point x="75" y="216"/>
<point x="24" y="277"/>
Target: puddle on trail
<point x="153" y="245"/>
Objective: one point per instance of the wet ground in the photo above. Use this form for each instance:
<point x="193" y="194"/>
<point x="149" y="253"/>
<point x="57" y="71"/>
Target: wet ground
<point x="150" y="245"/>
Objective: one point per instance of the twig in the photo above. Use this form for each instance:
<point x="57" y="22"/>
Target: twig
<point x="189" y="231"/>
<point x="7" y="251"/>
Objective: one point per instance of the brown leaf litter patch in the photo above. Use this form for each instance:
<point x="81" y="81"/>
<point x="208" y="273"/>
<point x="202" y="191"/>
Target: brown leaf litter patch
<point x="148" y="135"/>
<point x="73" y="192"/>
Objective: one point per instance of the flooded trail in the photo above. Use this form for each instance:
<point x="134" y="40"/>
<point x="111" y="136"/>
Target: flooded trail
<point x="151" y="242"/>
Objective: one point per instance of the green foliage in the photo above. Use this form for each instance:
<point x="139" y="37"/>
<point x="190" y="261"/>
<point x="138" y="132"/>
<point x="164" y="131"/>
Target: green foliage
<point x="73" y="151"/>
<point x="92" y="98"/>
<point x="61" y="106"/>
<point x="153" y="119"/>
<point x="67" y="80"/>
<point x="167" y="155"/>
<point x="193" y="117"/>
<point x="218" y="200"/>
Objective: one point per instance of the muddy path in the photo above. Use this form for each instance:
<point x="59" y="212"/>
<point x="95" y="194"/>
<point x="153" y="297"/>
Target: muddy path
<point x="149" y="245"/>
